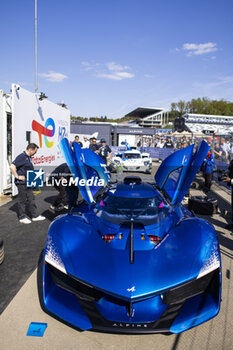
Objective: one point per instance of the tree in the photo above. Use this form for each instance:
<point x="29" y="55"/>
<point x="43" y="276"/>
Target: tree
<point x="202" y="106"/>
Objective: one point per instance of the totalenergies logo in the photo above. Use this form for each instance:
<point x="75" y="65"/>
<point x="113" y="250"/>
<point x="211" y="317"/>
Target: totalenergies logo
<point x="43" y="130"/>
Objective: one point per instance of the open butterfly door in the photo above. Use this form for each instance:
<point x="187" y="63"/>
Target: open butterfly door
<point x="88" y="169"/>
<point x="178" y="170"/>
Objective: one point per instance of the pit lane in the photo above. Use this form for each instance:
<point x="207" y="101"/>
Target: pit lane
<point x="19" y="304"/>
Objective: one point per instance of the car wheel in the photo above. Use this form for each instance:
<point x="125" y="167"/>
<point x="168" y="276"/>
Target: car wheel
<point x="1" y="251"/>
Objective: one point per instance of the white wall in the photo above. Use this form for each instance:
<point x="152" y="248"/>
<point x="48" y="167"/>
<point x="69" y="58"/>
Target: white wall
<point x="81" y="136"/>
<point x="31" y="114"/>
<point x="129" y="138"/>
<point x="5" y="106"/>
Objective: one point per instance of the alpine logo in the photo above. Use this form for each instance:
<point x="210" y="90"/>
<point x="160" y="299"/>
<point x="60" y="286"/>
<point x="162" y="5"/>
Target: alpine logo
<point x="131" y="289"/>
<point x="130" y="325"/>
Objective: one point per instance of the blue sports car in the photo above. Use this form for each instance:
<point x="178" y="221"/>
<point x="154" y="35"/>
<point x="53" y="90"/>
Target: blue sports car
<point x="130" y="258"/>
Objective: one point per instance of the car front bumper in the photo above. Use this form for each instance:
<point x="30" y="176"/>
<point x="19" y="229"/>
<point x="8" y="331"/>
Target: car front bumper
<point x="87" y="308"/>
<point x="135" y="168"/>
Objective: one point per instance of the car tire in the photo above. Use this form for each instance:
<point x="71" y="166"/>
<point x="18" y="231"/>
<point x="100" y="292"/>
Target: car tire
<point x="1" y="251"/>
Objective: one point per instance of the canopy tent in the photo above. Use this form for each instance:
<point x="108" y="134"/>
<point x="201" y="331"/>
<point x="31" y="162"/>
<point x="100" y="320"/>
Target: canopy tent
<point x="183" y="133"/>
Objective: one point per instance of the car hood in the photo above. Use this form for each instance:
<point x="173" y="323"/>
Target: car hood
<point x="85" y="256"/>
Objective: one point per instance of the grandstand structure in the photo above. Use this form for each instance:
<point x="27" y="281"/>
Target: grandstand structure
<point x="206" y="123"/>
<point x="149" y="117"/>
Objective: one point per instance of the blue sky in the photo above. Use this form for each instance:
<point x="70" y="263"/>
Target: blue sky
<point x="108" y="57"/>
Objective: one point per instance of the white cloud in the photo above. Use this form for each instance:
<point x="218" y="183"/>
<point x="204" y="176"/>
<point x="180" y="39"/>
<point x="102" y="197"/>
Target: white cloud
<point x="199" y="49"/>
<point x="116" y="75"/>
<point x="109" y="70"/>
<point x="89" y="66"/>
<point x="114" y="71"/>
<point x="124" y="75"/>
<point x="108" y="76"/>
<point x="54" y="77"/>
<point x="112" y="66"/>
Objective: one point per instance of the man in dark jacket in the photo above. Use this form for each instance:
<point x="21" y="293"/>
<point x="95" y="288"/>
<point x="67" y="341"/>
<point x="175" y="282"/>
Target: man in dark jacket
<point x="93" y="145"/>
<point x="19" y="168"/>
<point x="76" y="139"/>
<point x="168" y="143"/>
<point x="104" y="150"/>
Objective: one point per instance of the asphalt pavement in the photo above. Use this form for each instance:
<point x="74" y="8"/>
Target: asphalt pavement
<point x="19" y="304"/>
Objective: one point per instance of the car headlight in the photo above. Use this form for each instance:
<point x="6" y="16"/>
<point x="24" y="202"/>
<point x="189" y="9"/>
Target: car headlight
<point x="53" y="258"/>
<point x="116" y="161"/>
<point x="211" y="264"/>
<point x="147" y="162"/>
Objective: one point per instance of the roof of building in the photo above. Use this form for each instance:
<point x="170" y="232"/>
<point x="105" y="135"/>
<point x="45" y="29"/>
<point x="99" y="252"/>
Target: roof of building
<point x="212" y="116"/>
<point x="142" y="112"/>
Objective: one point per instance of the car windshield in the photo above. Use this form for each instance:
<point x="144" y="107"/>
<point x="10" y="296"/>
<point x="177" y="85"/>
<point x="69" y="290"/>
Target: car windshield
<point x="132" y="155"/>
<point x="150" y="206"/>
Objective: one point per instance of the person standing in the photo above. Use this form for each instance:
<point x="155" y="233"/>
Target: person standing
<point x="224" y="150"/>
<point x="93" y="145"/>
<point x="168" y="143"/>
<point x="19" y="168"/>
<point x="160" y="143"/>
<point x="229" y="180"/>
<point x="208" y="168"/>
<point x="104" y="150"/>
<point x="76" y="139"/>
<point x="139" y="143"/>
<point x="86" y="143"/>
<point x="67" y="188"/>
<point x="57" y="176"/>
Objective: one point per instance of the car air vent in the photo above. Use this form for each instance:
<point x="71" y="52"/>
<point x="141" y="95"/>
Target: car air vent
<point x="132" y="179"/>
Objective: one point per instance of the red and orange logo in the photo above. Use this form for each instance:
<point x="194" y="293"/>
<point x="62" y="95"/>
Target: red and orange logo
<point x="44" y="130"/>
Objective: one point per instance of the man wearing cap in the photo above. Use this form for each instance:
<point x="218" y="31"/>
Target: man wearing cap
<point x="104" y="150"/>
<point x="93" y="145"/>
